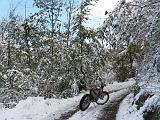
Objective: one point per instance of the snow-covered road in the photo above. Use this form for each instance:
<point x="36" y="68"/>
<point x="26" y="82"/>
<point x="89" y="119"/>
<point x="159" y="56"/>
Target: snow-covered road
<point x="36" y="108"/>
<point x="94" y="112"/>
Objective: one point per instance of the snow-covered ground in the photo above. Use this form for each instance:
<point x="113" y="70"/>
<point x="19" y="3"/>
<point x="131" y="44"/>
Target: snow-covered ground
<point x="36" y="108"/>
<point x="128" y="108"/>
<point x="149" y="83"/>
<point x="93" y="112"/>
<point x="118" y="86"/>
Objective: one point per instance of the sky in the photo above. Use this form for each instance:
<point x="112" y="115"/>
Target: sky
<point x="96" y="18"/>
<point x="6" y="5"/>
<point x="98" y="12"/>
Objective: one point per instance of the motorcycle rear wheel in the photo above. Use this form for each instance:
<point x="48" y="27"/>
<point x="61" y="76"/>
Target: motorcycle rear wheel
<point x="85" y="102"/>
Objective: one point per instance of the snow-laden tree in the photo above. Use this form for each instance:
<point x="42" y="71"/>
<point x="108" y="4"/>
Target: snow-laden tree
<point x="132" y="30"/>
<point x="125" y="30"/>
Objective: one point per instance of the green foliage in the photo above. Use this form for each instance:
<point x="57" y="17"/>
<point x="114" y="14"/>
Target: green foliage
<point x="52" y="56"/>
<point x="125" y="60"/>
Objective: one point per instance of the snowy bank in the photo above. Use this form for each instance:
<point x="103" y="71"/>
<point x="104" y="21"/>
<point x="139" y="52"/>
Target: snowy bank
<point x="36" y="108"/>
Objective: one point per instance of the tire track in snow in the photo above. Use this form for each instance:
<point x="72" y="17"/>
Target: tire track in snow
<point x="68" y="114"/>
<point x="110" y="111"/>
<point x="95" y="112"/>
<point x="71" y="113"/>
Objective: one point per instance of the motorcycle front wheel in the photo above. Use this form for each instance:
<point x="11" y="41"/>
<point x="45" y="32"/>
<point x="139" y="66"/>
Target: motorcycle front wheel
<point x="102" y="98"/>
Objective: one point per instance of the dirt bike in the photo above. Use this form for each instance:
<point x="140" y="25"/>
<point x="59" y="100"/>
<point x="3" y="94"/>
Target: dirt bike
<point x="95" y="95"/>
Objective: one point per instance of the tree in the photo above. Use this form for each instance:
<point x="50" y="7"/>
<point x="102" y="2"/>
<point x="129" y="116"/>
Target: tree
<point x="50" y="13"/>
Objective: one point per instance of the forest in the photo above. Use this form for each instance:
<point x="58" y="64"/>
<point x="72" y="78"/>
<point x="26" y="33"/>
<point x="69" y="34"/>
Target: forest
<point x="52" y="54"/>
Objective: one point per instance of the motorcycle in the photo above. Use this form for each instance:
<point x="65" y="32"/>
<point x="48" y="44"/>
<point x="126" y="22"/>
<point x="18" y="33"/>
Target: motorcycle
<point x="97" y="95"/>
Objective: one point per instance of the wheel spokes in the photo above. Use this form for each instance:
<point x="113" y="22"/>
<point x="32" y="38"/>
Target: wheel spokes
<point x="102" y="98"/>
<point x="86" y="102"/>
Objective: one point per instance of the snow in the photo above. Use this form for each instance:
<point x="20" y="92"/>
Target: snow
<point x="149" y="83"/>
<point x="122" y="53"/>
<point x="125" y="109"/>
<point x="121" y="85"/>
<point x="2" y="42"/>
<point x="93" y="112"/>
<point x="38" y="108"/>
<point x="128" y="110"/>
